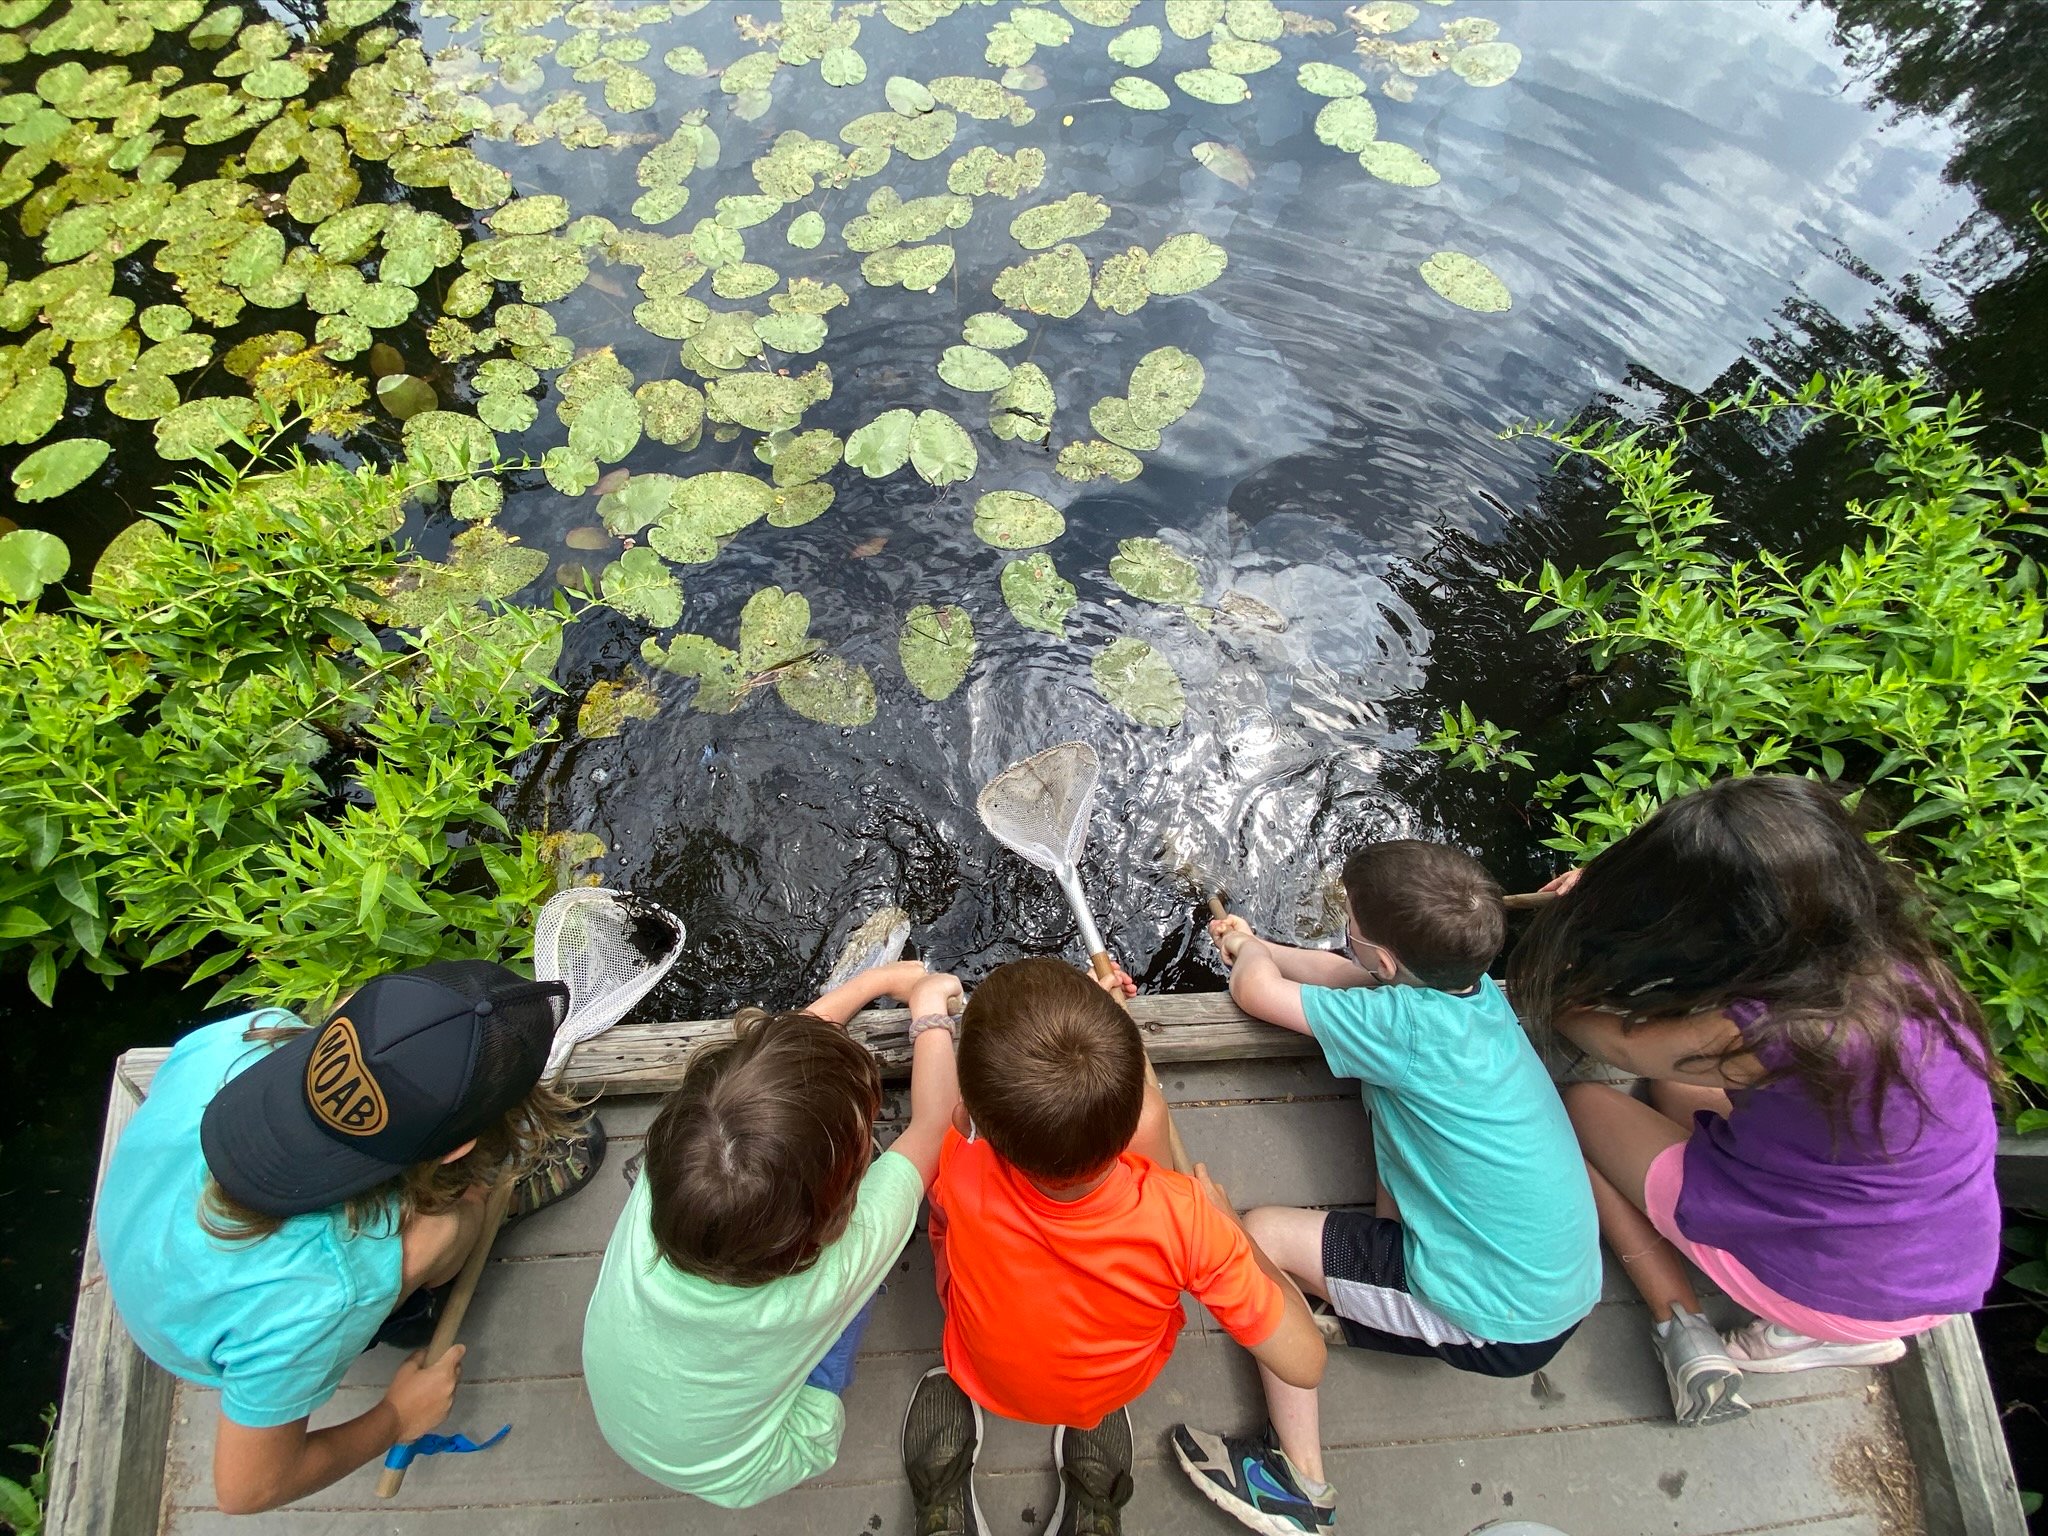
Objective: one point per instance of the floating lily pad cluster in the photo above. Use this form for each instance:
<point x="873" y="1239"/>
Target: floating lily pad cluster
<point x="319" y="219"/>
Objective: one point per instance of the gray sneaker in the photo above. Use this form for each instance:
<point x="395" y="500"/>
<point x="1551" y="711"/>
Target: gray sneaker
<point x="941" y="1438"/>
<point x="1706" y="1384"/>
<point x="1094" y="1466"/>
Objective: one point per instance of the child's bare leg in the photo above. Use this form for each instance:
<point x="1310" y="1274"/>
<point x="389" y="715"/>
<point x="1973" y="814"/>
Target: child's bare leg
<point x="1152" y="1138"/>
<point x="1293" y="1239"/>
<point x="1620" y="1138"/>
<point x="1679" y="1101"/>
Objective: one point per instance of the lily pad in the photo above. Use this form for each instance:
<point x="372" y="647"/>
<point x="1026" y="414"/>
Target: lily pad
<point x="1155" y="571"/>
<point x="1384" y="16"/>
<point x="1037" y="594"/>
<point x="992" y="330"/>
<point x="1466" y="282"/>
<point x="1023" y="407"/>
<point x="1183" y="263"/>
<point x="445" y="443"/>
<point x="405" y="395"/>
<point x="1226" y="161"/>
<point x="1348" y="123"/>
<point x="1235" y="56"/>
<point x="632" y="506"/>
<point x="1136" y="48"/>
<point x="707" y="508"/>
<point x="907" y="97"/>
<point x="1256" y="20"/>
<point x="568" y="471"/>
<point x="1074" y="216"/>
<point x="30" y="560"/>
<point x="775" y="630"/>
<point x="1055" y="284"/>
<point x="807" y="456"/>
<point x="972" y="369"/>
<point x="1041" y="27"/>
<point x="1215" y="86"/>
<point x="1190" y="19"/>
<point x="841" y="67"/>
<point x="743" y="280"/>
<point x="1139" y="94"/>
<point x="609" y="705"/>
<point x="791" y="333"/>
<point x="58" y="467"/>
<point x="1093" y="460"/>
<point x="537" y="215"/>
<point x="1120" y="285"/>
<point x="1164" y="386"/>
<point x="829" y="691"/>
<point x="983" y="171"/>
<point x="882" y="446"/>
<point x="671" y="411"/>
<point x="766" y="402"/>
<point x="936" y="648"/>
<point x="1140" y="682"/>
<point x="607" y="427"/>
<point x="1487" y="63"/>
<point x="1333" y="80"/>
<point x="198" y="427"/>
<point x="940" y="449"/>
<point x="1017" y="520"/>
<point x="476" y="501"/>
<point x="1399" y="164"/>
<point x="1115" y="420"/>
<point x="915" y="267"/>
<point x="796" y="505"/>
<point x="640" y="585"/>
<point x="806" y="230"/>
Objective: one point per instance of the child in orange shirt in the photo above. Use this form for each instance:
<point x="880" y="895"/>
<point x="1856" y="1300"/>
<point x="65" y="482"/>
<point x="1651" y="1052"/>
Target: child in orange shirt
<point x="1063" y="1244"/>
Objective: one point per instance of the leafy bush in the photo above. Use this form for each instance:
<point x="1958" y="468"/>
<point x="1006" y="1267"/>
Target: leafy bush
<point x="266" y="740"/>
<point x="21" y="1504"/>
<point x="1912" y="661"/>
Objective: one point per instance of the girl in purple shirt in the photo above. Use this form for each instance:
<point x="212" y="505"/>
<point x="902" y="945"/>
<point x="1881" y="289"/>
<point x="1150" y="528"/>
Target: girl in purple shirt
<point x="1820" y="1129"/>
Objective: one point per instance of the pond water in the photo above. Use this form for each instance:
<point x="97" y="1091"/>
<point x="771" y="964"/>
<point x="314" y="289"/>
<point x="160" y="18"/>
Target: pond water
<point x="1673" y="196"/>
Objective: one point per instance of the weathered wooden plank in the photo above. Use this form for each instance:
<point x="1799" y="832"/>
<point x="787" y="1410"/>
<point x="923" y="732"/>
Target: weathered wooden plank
<point x="1951" y="1423"/>
<point x="107" y="1465"/>
<point x="648" y="1058"/>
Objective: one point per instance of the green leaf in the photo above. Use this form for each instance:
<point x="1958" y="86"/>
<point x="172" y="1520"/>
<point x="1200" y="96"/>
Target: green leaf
<point x="936" y="648"/>
<point x="1183" y="263"/>
<point x="1233" y="55"/>
<point x="610" y="704"/>
<point x="972" y="369"/>
<point x="1164" y="387"/>
<point x="537" y="215"/>
<point x="58" y="467"/>
<point x="1348" y="123"/>
<point x="806" y="230"/>
<point x="721" y="682"/>
<point x="1136" y="48"/>
<point x="1466" y="282"/>
<point x="1225" y="160"/>
<point x="1215" y="86"/>
<point x="1398" y="164"/>
<point x="1077" y="214"/>
<point x="1140" y="682"/>
<point x="1023" y="407"/>
<point x="1139" y="94"/>
<point x="1016" y="520"/>
<point x="1055" y="284"/>
<point x="447" y="444"/>
<point x="1155" y="572"/>
<point x="1094" y="460"/>
<point x="807" y="456"/>
<point x="640" y="586"/>
<point x="30" y="560"/>
<point x="993" y="331"/>
<point x="1038" y="596"/>
<point x="882" y="446"/>
<point x="607" y="427"/>
<point x="1486" y="64"/>
<point x="908" y="97"/>
<point x="774" y="629"/>
<point x="842" y="67"/>
<point x="1320" y="79"/>
<point x="940" y="449"/>
<point x="828" y="690"/>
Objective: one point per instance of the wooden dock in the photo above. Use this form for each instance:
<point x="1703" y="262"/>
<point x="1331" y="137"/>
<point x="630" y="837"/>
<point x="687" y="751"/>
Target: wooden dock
<point x="1417" y="1449"/>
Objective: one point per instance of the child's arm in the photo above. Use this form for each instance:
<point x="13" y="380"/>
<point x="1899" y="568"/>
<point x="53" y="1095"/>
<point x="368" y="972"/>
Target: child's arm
<point x="850" y="996"/>
<point x="1262" y="989"/>
<point x="1311" y="967"/>
<point x="934" y="1077"/>
<point x="1294" y="1351"/>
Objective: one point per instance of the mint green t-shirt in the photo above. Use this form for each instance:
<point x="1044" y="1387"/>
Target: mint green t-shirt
<point x="701" y="1385"/>
<point x="1475" y="1147"/>
<point x="272" y="1323"/>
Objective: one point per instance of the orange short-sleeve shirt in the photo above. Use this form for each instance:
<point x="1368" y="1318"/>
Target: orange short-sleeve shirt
<point x="1059" y="1312"/>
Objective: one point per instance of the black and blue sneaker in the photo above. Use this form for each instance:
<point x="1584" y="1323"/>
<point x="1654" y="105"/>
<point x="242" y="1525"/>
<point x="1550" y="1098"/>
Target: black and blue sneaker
<point x="1251" y="1480"/>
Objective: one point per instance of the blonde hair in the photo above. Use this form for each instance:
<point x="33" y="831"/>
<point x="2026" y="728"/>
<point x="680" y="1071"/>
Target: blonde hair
<point x="426" y="1189"/>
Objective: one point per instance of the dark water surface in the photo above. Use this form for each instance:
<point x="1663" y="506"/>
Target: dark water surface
<point x="1678" y="196"/>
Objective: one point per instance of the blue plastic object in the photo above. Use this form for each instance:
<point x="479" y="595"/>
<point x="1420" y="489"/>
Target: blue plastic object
<point x="401" y="1455"/>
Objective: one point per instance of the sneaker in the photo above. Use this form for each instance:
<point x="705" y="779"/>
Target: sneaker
<point x="1095" y="1477"/>
<point x="941" y="1438"/>
<point x="1769" y="1348"/>
<point x="566" y="1165"/>
<point x="1252" y="1481"/>
<point x="1706" y="1385"/>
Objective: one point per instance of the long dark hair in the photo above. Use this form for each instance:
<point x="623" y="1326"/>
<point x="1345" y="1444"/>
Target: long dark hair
<point x="1764" y="890"/>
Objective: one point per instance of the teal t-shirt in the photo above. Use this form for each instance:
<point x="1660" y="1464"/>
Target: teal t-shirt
<point x="272" y="1323"/>
<point x="701" y="1385"/>
<point x="1474" y="1145"/>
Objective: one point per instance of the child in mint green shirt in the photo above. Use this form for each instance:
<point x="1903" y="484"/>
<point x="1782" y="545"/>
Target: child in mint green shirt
<point x="1482" y="1249"/>
<point x="735" y="1285"/>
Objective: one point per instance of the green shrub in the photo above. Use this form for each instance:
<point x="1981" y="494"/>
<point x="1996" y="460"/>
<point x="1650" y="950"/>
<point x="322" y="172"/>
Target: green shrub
<point x="1912" y="661"/>
<point x="266" y="741"/>
<point x="21" y="1504"/>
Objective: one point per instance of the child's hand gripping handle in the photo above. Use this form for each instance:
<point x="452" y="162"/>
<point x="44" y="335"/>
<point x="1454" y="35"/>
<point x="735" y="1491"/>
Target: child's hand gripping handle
<point x="495" y="1205"/>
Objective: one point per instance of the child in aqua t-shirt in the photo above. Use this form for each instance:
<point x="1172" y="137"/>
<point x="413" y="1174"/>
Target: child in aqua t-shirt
<point x="735" y="1286"/>
<point x="1483" y="1250"/>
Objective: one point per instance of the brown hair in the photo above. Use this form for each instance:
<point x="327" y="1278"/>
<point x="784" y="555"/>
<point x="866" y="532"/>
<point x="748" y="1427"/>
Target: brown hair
<point x="426" y="1189"/>
<point x="754" y="1162"/>
<point x="1765" y="890"/>
<point x="1051" y="1069"/>
<point x="1434" y="906"/>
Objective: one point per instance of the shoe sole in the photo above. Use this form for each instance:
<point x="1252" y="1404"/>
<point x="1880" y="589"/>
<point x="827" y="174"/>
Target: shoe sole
<point x="1713" y="1395"/>
<point x="1884" y="1352"/>
<point x="973" y="1500"/>
<point x="1059" y="1461"/>
<point x="1244" y="1514"/>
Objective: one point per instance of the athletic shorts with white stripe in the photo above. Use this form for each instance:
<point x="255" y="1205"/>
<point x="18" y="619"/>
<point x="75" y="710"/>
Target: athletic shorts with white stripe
<point x="1366" y="1270"/>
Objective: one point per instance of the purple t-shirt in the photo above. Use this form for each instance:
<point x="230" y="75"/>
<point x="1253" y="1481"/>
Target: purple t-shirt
<point x="1840" y="1223"/>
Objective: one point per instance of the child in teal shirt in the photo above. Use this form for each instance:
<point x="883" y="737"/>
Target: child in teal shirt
<point x="1482" y="1250"/>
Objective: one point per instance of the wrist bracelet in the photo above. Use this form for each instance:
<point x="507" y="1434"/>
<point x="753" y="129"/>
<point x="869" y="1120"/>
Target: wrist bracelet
<point x="925" y="1021"/>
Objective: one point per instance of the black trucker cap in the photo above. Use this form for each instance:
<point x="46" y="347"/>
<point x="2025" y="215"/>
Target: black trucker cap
<point x="412" y="1066"/>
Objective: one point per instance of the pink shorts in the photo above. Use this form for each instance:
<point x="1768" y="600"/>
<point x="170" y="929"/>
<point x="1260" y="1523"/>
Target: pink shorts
<point x="1661" y="1184"/>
